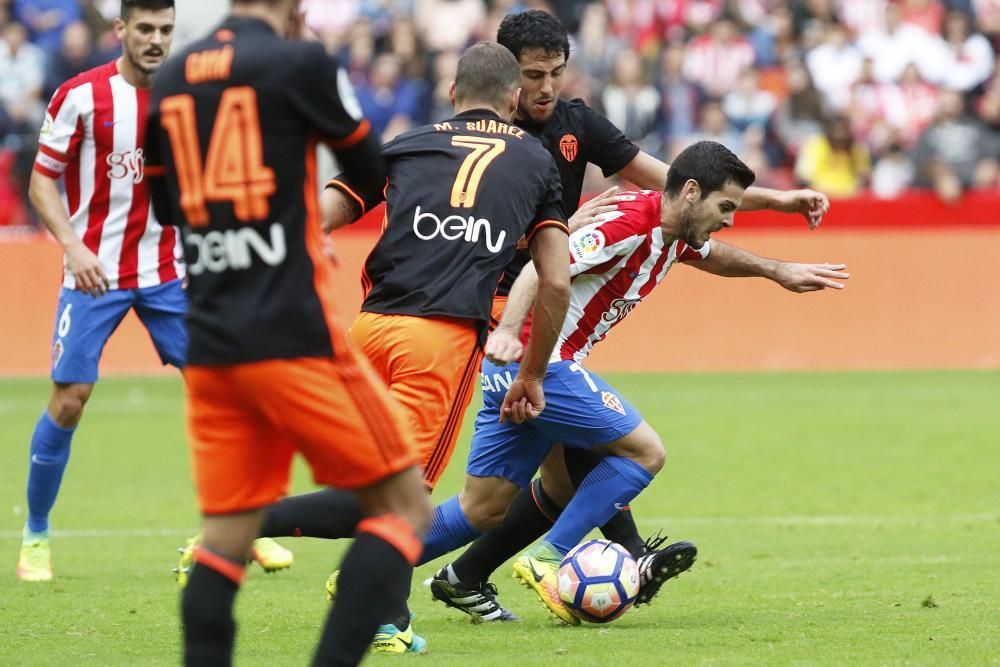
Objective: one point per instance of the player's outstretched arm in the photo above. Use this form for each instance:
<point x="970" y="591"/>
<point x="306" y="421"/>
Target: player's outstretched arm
<point x="732" y="262"/>
<point x="80" y="261"/>
<point x="504" y="345"/>
<point x="651" y="174"/>
<point x="812" y="205"/>
<point x="524" y="399"/>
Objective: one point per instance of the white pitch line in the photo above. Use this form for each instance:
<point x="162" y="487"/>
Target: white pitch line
<point x="845" y="520"/>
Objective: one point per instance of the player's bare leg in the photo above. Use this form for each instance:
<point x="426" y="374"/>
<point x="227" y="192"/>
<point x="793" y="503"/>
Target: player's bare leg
<point x="50" y="449"/>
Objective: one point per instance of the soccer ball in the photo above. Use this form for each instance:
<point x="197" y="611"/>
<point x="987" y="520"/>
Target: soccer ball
<point x="598" y="580"/>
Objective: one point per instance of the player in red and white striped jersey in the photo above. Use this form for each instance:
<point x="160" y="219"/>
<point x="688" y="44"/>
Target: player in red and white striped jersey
<point x="117" y="257"/>
<point x="92" y="138"/>
<point x="616" y="262"/>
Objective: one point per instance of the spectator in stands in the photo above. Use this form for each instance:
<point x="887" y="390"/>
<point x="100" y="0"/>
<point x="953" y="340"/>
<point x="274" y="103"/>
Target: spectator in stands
<point x="331" y="20"/>
<point x="595" y="47"/>
<point x="747" y="103"/>
<point x="915" y="109"/>
<point x="926" y="14"/>
<point x="46" y="19"/>
<point x="957" y="151"/>
<point x="715" y="59"/>
<point x="893" y="173"/>
<point x="629" y="101"/>
<point x="833" y="162"/>
<point x="679" y="98"/>
<point x="861" y="17"/>
<point x="449" y="25"/>
<point x="774" y="39"/>
<point x="74" y="56"/>
<point x="22" y="74"/>
<point x="714" y="126"/>
<point x="359" y="52"/>
<point x="870" y="102"/>
<point x="798" y="117"/>
<point x="967" y="59"/>
<point x="390" y="102"/>
<point x="899" y="44"/>
<point x="987" y="14"/>
<point x="444" y="69"/>
<point x="835" y="65"/>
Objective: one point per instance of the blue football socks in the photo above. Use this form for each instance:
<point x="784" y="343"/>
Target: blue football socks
<point x="450" y="530"/>
<point x="610" y="486"/>
<point x="49" y="455"/>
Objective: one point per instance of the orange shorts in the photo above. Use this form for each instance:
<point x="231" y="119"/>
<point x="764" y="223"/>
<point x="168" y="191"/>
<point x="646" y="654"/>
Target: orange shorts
<point x="246" y="421"/>
<point x="431" y="365"/>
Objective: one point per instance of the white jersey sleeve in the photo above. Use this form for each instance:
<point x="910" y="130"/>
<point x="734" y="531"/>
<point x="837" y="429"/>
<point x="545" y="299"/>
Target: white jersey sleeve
<point x="59" y="139"/>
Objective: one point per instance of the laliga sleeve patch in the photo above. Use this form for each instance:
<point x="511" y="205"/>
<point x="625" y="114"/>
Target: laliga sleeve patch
<point x="46" y="130"/>
<point x="585" y="243"/>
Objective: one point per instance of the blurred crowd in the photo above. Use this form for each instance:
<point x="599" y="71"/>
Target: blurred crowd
<point x="842" y="95"/>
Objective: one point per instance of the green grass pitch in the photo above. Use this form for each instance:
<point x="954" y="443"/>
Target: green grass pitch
<point x="842" y="518"/>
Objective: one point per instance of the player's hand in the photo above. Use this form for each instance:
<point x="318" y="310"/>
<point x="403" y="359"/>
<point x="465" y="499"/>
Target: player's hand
<point x="587" y="214"/>
<point x="810" y="204"/>
<point x="503" y="347"/>
<point x="524" y="400"/>
<point x="87" y="270"/>
<point x="810" y="277"/>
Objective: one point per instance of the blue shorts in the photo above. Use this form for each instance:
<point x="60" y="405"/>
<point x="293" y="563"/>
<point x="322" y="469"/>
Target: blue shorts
<point x="84" y="324"/>
<point x="581" y="410"/>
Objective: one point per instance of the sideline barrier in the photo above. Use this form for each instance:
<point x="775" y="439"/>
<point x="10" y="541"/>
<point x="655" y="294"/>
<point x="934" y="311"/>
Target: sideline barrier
<point x="924" y="293"/>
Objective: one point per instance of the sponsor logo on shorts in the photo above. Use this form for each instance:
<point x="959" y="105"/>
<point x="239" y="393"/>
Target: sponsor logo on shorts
<point x="495" y="382"/>
<point x="613" y="402"/>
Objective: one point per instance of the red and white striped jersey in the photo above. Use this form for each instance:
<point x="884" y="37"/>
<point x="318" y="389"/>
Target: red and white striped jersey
<point x="614" y="264"/>
<point x="92" y="137"/>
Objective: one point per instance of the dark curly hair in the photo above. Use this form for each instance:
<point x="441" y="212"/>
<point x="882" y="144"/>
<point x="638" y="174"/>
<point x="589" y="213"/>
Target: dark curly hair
<point x="711" y="165"/>
<point x="533" y="29"/>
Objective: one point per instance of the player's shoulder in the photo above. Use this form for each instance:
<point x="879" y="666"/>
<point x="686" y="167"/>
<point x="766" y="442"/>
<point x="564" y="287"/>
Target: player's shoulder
<point x="575" y="112"/>
<point x="101" y="72"/>
<point x="80" y="81"/>
<point x="640" y="200"/>
<point x="639" y="210"/>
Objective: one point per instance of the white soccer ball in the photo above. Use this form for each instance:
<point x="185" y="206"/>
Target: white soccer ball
<point x="598" y="580"/>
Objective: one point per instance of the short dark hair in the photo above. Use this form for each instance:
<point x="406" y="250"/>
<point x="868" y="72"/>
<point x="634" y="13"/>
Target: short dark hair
<point x="487" y="72"/>
<point x="711" y="165"/>
<point x="128" y="6"/>
<point x="533" y="29"/>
